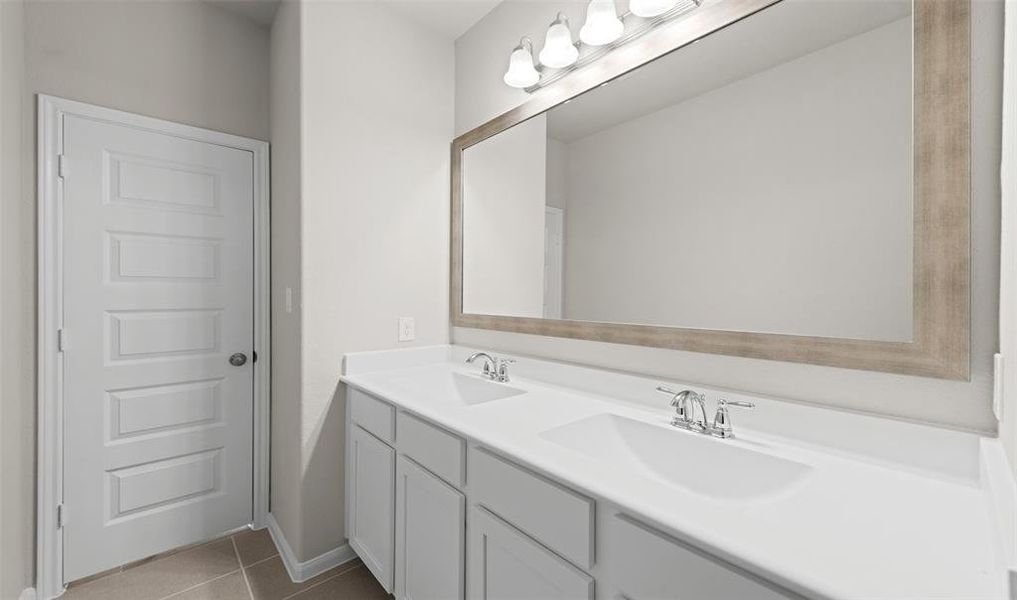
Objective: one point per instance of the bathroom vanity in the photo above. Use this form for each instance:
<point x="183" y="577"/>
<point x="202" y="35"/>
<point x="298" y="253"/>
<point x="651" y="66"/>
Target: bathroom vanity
<point x="568" y="482"/>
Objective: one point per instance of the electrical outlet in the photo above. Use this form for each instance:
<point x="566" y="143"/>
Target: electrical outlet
<point x="407" y="329"/>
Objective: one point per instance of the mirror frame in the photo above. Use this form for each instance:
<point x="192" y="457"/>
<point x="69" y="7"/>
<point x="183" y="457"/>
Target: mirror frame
<point x="940" y="345"/>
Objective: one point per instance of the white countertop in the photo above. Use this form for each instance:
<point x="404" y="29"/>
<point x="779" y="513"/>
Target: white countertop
<point x="863" y="524"/>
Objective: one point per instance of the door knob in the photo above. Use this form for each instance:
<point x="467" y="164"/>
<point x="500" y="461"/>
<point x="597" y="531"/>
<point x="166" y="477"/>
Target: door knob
<point x="238" y="360"/>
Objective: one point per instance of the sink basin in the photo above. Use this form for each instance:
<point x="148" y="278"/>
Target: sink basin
<point x="459" y="388"/>
<point x="704" y="465"/>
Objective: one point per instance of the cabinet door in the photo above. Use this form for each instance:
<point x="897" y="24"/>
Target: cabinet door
<point x="430" y="536"/>
<point x="505" y="564"/>
<point x="371" y="503"/>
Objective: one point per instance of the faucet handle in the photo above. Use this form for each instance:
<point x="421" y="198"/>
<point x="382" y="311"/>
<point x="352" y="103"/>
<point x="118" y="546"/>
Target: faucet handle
<point x="722" y="420"/>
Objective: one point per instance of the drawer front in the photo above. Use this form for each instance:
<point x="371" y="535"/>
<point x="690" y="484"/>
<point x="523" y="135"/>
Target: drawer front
<point x="503" y="563"/>
<point x="372" y="414"/>
<point x="437" y="450"/>
<point x="642" y="564"/>
<point x="556" y="516"/>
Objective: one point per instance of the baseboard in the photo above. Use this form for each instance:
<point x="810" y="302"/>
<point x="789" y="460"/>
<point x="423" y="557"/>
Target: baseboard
<point x="302" y="571"/>
<point x="27" y="594"/>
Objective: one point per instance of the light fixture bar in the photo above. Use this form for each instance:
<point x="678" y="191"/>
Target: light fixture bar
<point x="595" y="52"/>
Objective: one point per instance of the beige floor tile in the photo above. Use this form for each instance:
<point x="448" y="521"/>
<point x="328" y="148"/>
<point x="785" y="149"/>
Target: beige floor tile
<point x="254" y="546"/>
<point x="355" y="584"/>
<point x="160" y="578"/>
<point x="270" y="581"/>
<point x="230" y="587"/>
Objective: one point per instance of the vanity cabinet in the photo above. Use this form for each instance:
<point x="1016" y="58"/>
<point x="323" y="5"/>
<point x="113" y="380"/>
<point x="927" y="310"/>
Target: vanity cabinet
<point x="505" y="564"/>
<point x="430" y="524"/>
<point x="435" y="517"/>
<point x="371" y="503"/>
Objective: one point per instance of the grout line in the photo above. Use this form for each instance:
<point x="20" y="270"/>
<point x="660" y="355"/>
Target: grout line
<point x="243" y="571"/>
<point x="257" y="562"/>
<point x="323" y="581"/>
<point x="174" y="594"/>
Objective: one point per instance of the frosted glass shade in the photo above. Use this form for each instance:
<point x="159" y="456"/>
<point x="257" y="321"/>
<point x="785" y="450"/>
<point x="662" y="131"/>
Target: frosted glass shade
<point x="602" y="23"/>
<point x="558" y="50"/>
<point x="521" y="72"/>
<point x="651" y="8"/>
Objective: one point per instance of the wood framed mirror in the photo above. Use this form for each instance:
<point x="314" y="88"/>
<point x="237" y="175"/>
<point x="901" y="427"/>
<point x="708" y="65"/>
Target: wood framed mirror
<point x="837" y="235"/>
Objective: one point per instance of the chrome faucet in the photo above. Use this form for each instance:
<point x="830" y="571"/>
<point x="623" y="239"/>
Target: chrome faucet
<point x="494" y="369"/>
<point x="685" y="403"/>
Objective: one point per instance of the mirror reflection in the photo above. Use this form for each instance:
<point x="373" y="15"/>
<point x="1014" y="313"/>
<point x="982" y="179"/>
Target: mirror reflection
<point x="757" y="180"/>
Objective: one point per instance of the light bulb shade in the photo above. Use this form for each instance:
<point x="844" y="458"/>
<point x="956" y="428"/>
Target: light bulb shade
<point x="558" y="50"/>
<point x="651" y="8"/>
<point x="521" y="72"/>
<point x="602" y="23"/>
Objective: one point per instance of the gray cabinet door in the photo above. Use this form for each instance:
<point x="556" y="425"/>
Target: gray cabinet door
<point x="371" y="499"/>
<point x="505" y="564"/>
<point x="430" y="536"/>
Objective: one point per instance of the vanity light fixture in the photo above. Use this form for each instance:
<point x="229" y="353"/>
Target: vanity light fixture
<point x="602" y="23"/>
<point x="559" y="50"/>
<point x="521" y="72"/>
<point x="603" y="31"/>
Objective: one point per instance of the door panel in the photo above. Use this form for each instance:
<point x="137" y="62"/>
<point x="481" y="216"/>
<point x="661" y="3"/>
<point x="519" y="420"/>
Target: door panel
<point x="158" y="292"/>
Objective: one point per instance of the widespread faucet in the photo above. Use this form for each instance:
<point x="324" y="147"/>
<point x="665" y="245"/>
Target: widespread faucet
<point x="685" y="403"/>
<point x="494" y="369"/>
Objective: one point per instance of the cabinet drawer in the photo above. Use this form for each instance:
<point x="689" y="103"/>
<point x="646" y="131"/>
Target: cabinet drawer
<point x="556" y="516"/>
<point x="643" y="563"/>
<point x="372" y="414"/>
<point x="435" y="449"/>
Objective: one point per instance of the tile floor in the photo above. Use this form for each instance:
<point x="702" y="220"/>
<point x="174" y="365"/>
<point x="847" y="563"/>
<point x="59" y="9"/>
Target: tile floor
<point x="244" y="566"/>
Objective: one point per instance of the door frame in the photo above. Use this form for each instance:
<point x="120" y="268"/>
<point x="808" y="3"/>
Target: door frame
<point x="49" y="468"/>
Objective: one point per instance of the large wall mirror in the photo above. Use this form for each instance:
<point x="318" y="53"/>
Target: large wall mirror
<point x="793" y="186"/>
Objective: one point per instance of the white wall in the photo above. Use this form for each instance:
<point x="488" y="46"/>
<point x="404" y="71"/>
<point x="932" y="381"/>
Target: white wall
<point x="377" y="122"/>
<point x="781" y="200"/>
<point x="286" y="326"/>
<point x="481" y="56"/>
<point x="503" y="222"/>
<point x="17" y="414"/>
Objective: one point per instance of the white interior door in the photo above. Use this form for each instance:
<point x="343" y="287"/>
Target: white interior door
<point x="554" y="235"/>
<point x="158" y="294"/>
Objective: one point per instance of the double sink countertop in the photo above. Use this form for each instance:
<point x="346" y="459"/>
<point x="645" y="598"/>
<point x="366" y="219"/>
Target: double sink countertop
<point x="826" y="503"/>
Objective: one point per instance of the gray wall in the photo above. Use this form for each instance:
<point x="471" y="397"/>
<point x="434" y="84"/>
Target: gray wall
<point x="481" y="56"/>
<point x="374" y="164"/>
<point x="286" y="339"/>
<point x="187" y="62"/>
<point x="779" y="203"/>
<point x="17" y="398"/>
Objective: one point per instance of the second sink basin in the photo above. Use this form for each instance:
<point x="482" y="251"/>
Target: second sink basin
<point x="704" y="465"/>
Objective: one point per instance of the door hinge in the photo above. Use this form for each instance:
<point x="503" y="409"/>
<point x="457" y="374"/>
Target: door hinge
<point x="61" y="166"/>
<point x="61" y="340"/>
<point x="61" y="516"/>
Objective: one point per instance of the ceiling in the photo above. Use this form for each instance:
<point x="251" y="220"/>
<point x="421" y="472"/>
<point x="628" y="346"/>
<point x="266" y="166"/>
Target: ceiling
<point x="259" y="11"/>
<point x="448" y="18"/>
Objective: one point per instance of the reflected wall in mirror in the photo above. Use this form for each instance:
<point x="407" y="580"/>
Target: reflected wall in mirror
<point x="758" y="183"/>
